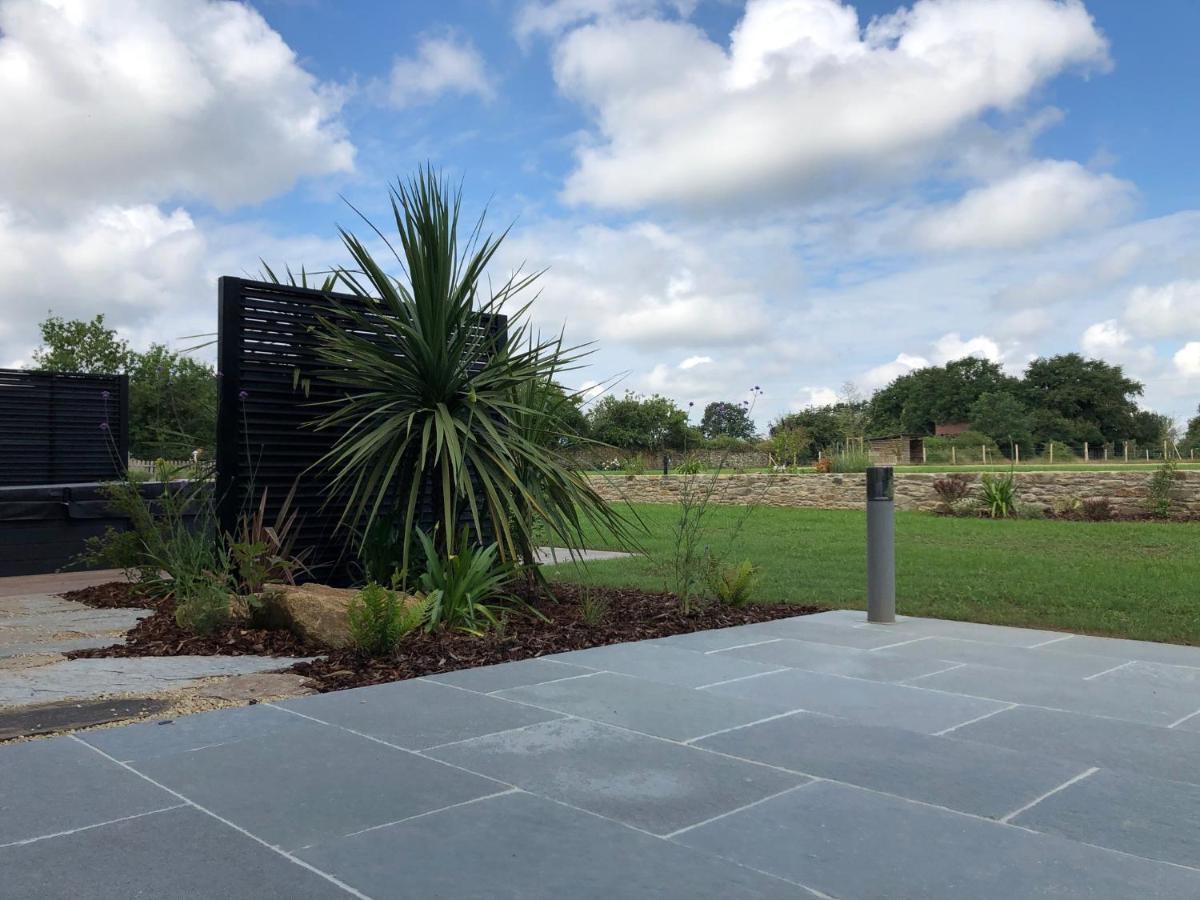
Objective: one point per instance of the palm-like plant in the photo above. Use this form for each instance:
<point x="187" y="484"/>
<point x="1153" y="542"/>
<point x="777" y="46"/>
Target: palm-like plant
<point x="437" y="400"/>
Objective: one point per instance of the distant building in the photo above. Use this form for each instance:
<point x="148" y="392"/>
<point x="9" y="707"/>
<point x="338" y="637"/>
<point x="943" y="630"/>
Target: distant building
<point x="950" y="429"/>
<point x="896" y="449"/>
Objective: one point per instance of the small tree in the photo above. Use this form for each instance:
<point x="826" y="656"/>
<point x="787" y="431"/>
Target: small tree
<point x="724" y="419"/>
<point x="73" y="345"/>
<point x="1002" y="416"/>
<point x="790" y="444"/>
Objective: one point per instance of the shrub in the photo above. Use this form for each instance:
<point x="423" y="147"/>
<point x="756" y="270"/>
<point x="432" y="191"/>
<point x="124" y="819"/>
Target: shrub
<point x="633" y="465"/>
<point x="202" y="603"/>
<point x="593" y="607"/>
<point x="262" y="552"/>
<point x="824" y="464"/>
<point x="457" y="589"/>
<point x="951" y="489"/>
<point x="380" y="618"/>
<point x="732" y="586"/>
<point x="966" y="508"/>
<point x="850" y="461"/>
<point x="1068" y="507"/>
<point x="1096" y="509"/>
<point x="1000" y="495"/>
<point x="1161" y="483"/>
<point x="690" y="466"/>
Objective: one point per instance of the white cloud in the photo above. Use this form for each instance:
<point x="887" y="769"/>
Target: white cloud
<point x="441" y="65"/>
<point x="547" y="18"/>
<point x="1107" y="340"/>
<point x="803" y="98"/>
<point x="1187" y="359"/>
<point x="878" y="377"/>
<point x="951" y="346"/>
<point x="1041" y="201"/>
<point x="692" y="361"/>
<point x="120" y="102"/>
<point x="1166" y="311"/>
<point x="814" y="396"/>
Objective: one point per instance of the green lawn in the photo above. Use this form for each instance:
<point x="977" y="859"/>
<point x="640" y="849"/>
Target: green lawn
<point x="1148" y="468"/>
<point x="1127" y="579"/>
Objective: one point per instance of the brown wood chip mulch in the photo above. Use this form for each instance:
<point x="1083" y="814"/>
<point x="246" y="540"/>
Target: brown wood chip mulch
<point x="631" y="615"/>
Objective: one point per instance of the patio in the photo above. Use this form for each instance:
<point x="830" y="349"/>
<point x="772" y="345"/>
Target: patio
<point x="809" y="756"/>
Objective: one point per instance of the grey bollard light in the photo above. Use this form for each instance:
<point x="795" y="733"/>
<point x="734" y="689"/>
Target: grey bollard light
<point x="881" y="546"/>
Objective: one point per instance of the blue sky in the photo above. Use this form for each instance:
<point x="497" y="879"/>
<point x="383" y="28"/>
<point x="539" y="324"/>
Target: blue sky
<point x="793" y="193"/>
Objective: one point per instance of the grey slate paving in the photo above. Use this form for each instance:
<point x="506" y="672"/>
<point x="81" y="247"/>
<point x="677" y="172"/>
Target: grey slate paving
<point x="650" y="784"/>
<point x="293" y="789"/>
<point x="1112" y="697"/>
<point x="852" y="843"/>
<point x="665" y="663"/>
<point x="1148" y="817"/>
<point x="663" y="710"/>
<point x="181" y="853"/>
<point x="1112" y="743"/>
<point x="871" y="702"/>
<point x="417" y="714"/>
<point x="508" y="675"/>
<point x="58" y="785"/>
<point x="1120" y="649"/>
<point x="1044" y="661"/>
<point x="164" y="737"/>
<point x="718" y="638"/>
<point x="985" y="781"/>
<point x="559" y="852"/>
<point x="874" y="665"/>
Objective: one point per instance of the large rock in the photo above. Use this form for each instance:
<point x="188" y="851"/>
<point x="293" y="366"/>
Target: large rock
<point x="314" y="612"/>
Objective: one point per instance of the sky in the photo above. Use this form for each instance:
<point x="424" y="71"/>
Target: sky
<point x="793" y="194"/>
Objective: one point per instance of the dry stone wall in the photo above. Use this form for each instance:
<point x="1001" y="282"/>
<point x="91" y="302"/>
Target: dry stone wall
<point x="1126" y="491"/>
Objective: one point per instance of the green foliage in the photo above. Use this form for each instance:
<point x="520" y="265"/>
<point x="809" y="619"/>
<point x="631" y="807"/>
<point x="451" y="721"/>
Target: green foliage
<point x="1191" y="438"/>
<point x="77" y="346"/>
<point x="593" y="607"/>
<point x="732" y="586"/>
<point x="202" y="603"/>
<point x="848" y="461"/>
<point x="999" y="494"/>
<point x="633" y="465"/>
<point x="689" y="466"/>
<point x="636" y="422"/>
<point x="1159" y="490"/>
<point x="951" y="489"/>
<point x="263" y="553"/>
<point x="172" y="404"/>
<point x="817" y="427"/>
<point x="916" y="402"/>
<point x="380" y="618"/>
<point x="1097" y="509"/>
<point x="724" y="419"/>
<point x="459" y="588"/>
<point x="1077" y="399"/>
<point x="1003" y="416"/>
<point x="790" y="444"/>
<point x="432" y="403"/>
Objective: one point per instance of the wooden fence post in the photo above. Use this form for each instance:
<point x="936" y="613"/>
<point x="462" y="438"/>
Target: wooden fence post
<point x="983" y="447"/>
<point x="1052" y="453"/>
<point x="1126" y="451"/>
<point x="1086" y="457"/>
<point x="954" y="456"/>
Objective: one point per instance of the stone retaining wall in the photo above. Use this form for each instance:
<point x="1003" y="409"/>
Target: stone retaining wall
<point x="1126" y="491"/>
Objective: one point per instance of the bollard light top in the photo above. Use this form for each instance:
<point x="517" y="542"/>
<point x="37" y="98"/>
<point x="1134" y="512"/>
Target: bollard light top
<point x="880" y="483"/>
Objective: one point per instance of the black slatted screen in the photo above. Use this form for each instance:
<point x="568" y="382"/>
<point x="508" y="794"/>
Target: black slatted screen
<point x="265" y="336"/>
<point x="59" y="428"/>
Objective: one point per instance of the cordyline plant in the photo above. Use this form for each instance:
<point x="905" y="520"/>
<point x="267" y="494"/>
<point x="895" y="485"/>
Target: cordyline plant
<point x="437" y="400"/>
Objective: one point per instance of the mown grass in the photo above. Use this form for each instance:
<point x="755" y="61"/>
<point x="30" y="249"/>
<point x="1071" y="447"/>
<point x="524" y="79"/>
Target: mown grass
<point x="1124" y="579"/>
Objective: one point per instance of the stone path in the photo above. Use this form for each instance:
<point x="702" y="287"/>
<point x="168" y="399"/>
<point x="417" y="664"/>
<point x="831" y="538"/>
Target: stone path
<point x="815" y="756"/>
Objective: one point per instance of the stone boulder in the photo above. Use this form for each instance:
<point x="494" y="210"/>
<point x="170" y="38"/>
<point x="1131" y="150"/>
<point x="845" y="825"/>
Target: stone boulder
<point x="313" y="612"/>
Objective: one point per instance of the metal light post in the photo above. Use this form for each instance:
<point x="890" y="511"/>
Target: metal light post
<point x="881" y="546"/>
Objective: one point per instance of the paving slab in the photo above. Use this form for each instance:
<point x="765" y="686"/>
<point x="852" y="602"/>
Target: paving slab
<point x="869" y="702"/>
<point x="68" y="715"/>
<point x="719" y="638"/>
<point x="172" y="855"/>
<point x="294" y="788"/>
<point x="662" y="710"/>
<point x="183" y="734"/>
<point x="852" y="843"/>
<point x="1114" y="697"/>
<point x="417" y="714"/>
<point x="665" y="663"/>
<point x="82" y="678"/>
<point x="1112" y="743"/>
<point x="560" y="852"/>
<point x="1044" y="661"/>
<point x="873" y="665"/>
<point x="909" y="627"/>
<point x="655" y="785"/>
<point x="1121" y="649"/>
<point x="56" y="785"/>
<point x="486" y="679"/>
<point x="1148" y="817"/>
<point x="985" y="781"/>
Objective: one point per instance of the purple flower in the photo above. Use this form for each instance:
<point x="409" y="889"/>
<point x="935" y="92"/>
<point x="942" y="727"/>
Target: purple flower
<point x="757" y="388"/>
<point x="104" y="426"/>
<point x="691" y="403"/>
<point x="242" y="395"/>
<point x="104" y="395"/>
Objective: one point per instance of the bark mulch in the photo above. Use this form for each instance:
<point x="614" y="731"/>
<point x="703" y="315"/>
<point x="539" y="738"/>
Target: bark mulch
<point x="113" y="595"/>
<point x="160" y="635"/>
<point x="632" y="615"/>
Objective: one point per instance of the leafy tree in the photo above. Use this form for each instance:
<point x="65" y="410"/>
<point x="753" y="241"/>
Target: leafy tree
<point x="1191" y="438"/>
<point x="634" y="422"/>
<point x="1150" y="428"/>
<point x="1002" y="417"/>
<point x="791" y="444"/>
<point x="916" y="402"/>
<point x="1080" y="399"/>
<point x="824" y="426"/>
<point x="722" y="418"/>
<point x="73" y="345"/>
<point x="172" y="404"/>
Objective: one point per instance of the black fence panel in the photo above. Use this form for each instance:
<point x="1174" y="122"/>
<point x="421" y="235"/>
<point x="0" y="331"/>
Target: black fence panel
<point x="270" y="395"/>
<point x="61" y="428"/>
